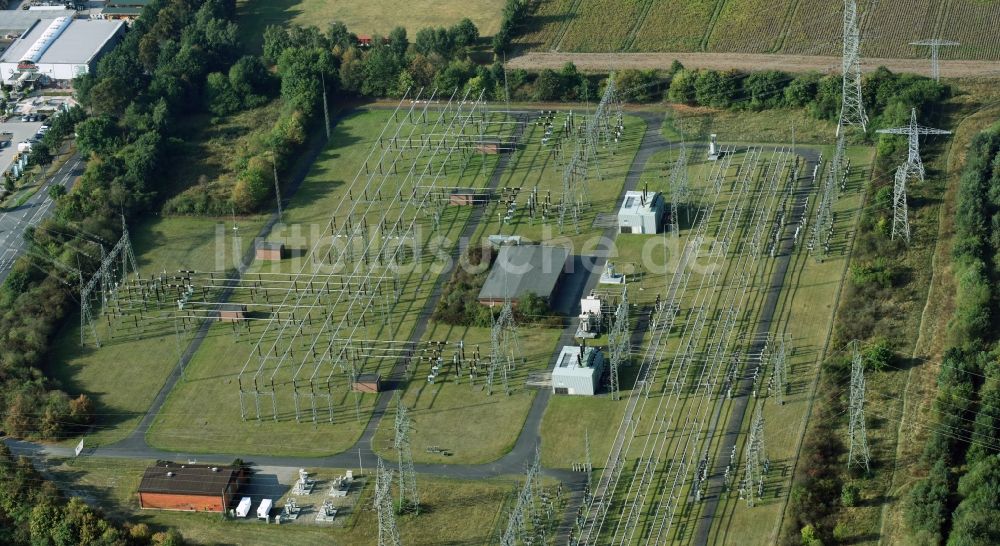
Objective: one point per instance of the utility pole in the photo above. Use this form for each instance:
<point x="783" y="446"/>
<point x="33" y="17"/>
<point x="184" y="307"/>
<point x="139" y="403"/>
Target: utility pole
<point x="935" y="45"/>
<point x="388" y="533"/>
<point x="852" y="108"/>
<point x="277" y="189"/>
<point x="858" y="452"/>
<point x="326" y="107"/>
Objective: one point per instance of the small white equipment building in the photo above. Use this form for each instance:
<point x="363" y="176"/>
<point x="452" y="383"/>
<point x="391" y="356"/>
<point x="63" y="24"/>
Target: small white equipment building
<point x="243" y="508"/>
<point x="641" y="212"/>
<point x="578" y="370"/>
<point x="264" y="510"/>
<point x="590" y="317"/>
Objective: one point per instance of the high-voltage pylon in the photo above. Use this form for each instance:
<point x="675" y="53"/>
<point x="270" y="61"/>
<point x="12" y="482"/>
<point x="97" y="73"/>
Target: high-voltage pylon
<point x="409" y="499"/>
<point x="605" y="126"/>
<point x="756" y="461"/>
<point x="388" y="533"/>
<point x="852" y="108"/>
<point x="935" y="45"/>
<point x="900" y="212"/>
<point x="914" y="165"/>
<point x="618" y="343"/>
<point x="679" y="189"/>
<point x="116" y="267"/>
<point x="778" y="385"/>
<point x="503" y="344"/>
<point x="858" y="452"/>
<point x="822" y="228"/>
<point x="516" y="531"/>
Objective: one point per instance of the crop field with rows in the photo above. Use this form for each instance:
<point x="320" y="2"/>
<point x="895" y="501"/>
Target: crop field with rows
<point x="805" y="27"/>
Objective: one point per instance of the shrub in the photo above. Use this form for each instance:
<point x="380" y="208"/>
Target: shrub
<point x="850" y="494"/>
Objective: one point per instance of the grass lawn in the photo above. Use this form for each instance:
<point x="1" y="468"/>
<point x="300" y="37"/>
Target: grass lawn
<point x="461" y="417"/>
<point x="771" y="126"/>
<point x="371" y="17"/>
<point x="454" y="511"/>
<point x="124" y="375"/>
<point x="212" y="380"/>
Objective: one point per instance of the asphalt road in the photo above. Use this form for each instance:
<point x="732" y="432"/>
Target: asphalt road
<point x="14" y="221"/>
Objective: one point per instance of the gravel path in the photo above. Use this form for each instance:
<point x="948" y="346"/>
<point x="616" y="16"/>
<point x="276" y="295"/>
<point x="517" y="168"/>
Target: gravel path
<point x="744" y="61"/>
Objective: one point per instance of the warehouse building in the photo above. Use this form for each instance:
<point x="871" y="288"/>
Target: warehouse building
<point x="578" y="371"/>
<point x="641" y="212"/>
<point x="523" y="269"/>
<point x="189" y="487"/>
<point x="59" y="49"/>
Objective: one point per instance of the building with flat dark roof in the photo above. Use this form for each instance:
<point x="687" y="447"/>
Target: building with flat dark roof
<point x="189" y="487"/>
<point x="523" y="269"/>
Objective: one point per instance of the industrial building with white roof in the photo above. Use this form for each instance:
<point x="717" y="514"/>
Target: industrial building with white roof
<point x="61" y="48"/>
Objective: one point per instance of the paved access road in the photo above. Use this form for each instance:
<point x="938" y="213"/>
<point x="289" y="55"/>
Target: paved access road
<point x="14" y="221"/>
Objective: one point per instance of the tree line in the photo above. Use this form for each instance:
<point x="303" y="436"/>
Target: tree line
<point x="958" y="502"/>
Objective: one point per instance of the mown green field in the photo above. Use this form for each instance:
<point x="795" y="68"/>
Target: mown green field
<point x="809" y="27"/>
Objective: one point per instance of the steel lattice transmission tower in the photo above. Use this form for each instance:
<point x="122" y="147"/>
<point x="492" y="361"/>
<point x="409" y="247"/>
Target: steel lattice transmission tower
<point x="779" y="373"/>
<point x="852" y="108"/>
<point x="822" y="228"/>
<point x="618" y="343"/>
<point x="858" y="434"/>
<point x="914" y="165"/>
<point x="409" y="498"/>
<point x="388" y="533"/>
<point x="935" y="45"/>
<point x="680" y="190"/>
<point x="517" y="525"/>
<point x="900" y="212"/>
<point x="756" y="460"/>
<point x="503" y="344"/>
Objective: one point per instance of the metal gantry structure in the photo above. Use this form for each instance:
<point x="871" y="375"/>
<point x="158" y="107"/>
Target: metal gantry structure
<point x="604" y="128"/>
<point x="852" y="108"/>
<point x="523" y="519"/>
<point x="835" y="176"/>
<point x="778" y="384"/>
<point x="409" y="498"/>
<point x="504" y="347"/>
<point x="756" y="463"/>
<point x="114" y="272"/>
<point x="618" y="343"/>
<point x="388" y="201"/>
<point x="935" y="45"/>
<point x="388" y="533"/>
<point x="858" y="435"/>
<point x="680" y="190"/>
<point x="660" y="463"/>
